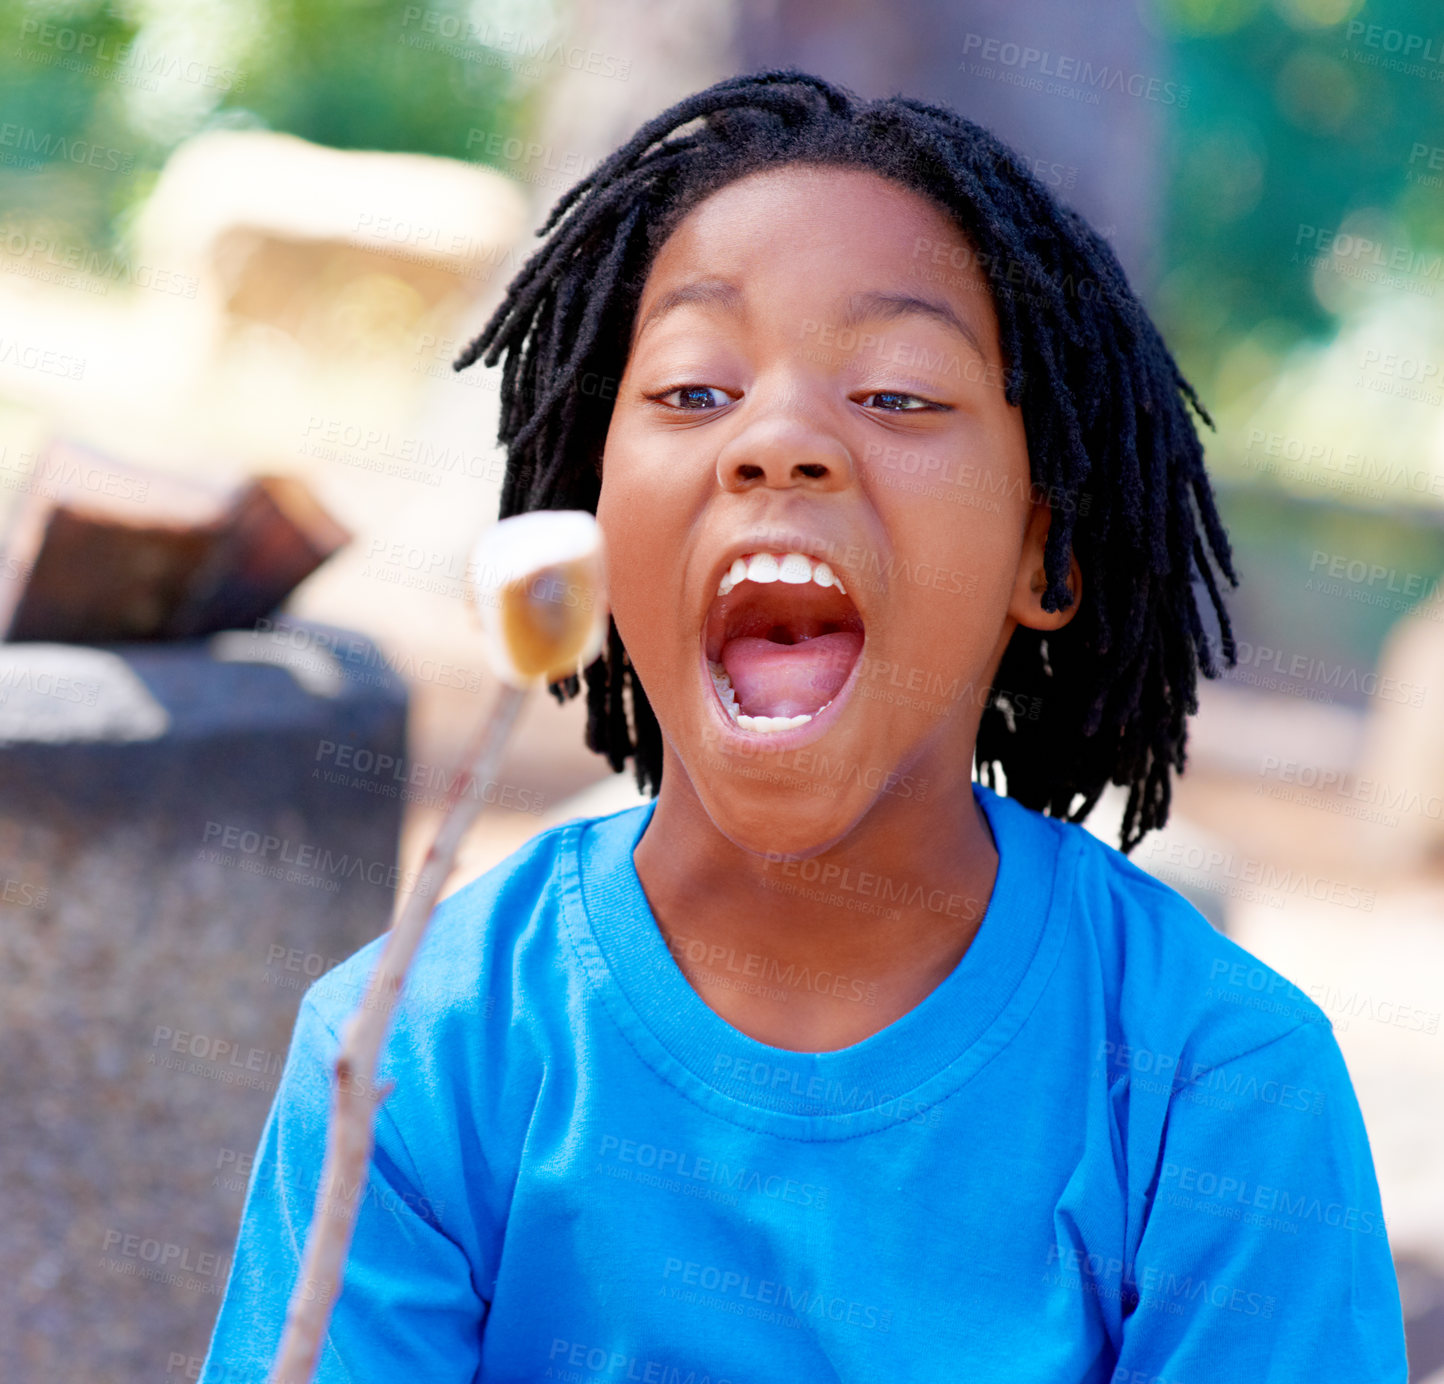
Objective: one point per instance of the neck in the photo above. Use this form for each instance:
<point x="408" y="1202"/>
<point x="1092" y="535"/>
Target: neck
<point x="826" y="950"/>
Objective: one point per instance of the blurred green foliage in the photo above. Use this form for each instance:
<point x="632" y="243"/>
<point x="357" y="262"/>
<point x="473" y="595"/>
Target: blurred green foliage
<point x="94" y="95"/>
<point x="1302" y="113"/>
<point x="1285" y="549"/>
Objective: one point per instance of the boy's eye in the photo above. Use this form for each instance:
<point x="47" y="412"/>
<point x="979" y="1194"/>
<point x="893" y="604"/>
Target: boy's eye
<point x="895" y="401"/>
<point x="692" y="396"/>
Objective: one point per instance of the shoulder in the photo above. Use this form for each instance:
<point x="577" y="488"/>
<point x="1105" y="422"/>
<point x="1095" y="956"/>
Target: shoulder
<point x="471" y="959"/>
<point x="486" y="1011"/>
<point x="1176" y="989"/>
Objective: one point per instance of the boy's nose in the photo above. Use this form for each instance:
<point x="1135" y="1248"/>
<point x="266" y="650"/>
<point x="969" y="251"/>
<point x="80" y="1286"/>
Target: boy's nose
<point x="783" y="452"/>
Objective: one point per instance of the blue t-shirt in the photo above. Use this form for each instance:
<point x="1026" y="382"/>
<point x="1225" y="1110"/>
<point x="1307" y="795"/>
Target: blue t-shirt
<point x="1110" y="1146"/>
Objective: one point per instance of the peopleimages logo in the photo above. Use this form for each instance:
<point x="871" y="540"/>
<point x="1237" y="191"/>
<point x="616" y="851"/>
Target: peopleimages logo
<point x="1347" y="785"/>
<point x="56" y="148"/>
<point x="1255" y="986"/>
<point x="1418" y="47"/>
<point x="1210" y="868"/>
<point x="103" y="55"/>
<point x="1306" y="669"/>
<point x="1151" y="1287"/>
<point x="1240" y="1192"/>
<point x="768" y="1080"/>
<point x="1069" y="74"/>
<point x="1339" y="567"/>
<point x="801" y="1302"/>
<point x="681" y="1163"/>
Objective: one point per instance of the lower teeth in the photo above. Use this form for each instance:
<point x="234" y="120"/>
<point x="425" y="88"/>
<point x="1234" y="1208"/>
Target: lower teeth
<point x="727" y="695"/>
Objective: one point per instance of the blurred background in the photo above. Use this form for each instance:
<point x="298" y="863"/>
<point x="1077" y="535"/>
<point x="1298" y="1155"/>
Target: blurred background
<point x="245" y="237"/>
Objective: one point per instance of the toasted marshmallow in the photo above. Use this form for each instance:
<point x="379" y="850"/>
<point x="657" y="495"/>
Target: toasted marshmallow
<point x="539" y="584"/>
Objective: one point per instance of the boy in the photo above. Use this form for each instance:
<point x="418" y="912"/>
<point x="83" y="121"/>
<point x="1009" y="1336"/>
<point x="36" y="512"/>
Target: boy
<point x="830" y="1063"/>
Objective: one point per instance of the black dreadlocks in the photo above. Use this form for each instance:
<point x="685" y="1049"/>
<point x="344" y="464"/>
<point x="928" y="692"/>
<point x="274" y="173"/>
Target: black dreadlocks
<point x="1113" y="449"/>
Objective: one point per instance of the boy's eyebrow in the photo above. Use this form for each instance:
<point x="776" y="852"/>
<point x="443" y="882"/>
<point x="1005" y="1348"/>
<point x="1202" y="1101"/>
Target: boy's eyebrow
<point x="718" y="292"/>
<point x="877" y="306"/>
<point x="874" y="306"/>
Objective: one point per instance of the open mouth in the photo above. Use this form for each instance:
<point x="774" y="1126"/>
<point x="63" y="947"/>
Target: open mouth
<point x="781" y="637"/>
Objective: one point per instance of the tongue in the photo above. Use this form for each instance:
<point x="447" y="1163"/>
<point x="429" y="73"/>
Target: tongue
<point x="789" y="679"/>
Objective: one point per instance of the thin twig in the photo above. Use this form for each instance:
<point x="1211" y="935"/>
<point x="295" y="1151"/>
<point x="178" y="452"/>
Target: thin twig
<point x="352" y="1129"/>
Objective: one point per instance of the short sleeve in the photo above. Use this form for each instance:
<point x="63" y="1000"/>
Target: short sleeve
<point x="408" y="1301"/>
<point x="1263" y="1253"/>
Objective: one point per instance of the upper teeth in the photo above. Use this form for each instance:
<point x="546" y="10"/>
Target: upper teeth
<point x="793" y="568"/>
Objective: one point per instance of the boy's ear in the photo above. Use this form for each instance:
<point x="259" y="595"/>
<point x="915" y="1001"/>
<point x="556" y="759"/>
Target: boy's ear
<point x="1028" y="587"/>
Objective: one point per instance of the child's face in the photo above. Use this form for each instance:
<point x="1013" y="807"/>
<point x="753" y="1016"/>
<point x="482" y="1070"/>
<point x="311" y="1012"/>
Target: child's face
<point x="786" y="391"/>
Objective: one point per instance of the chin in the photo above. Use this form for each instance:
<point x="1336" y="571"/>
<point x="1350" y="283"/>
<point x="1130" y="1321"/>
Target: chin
<point x="774" y="800"/>
<point x="753" y="824"/>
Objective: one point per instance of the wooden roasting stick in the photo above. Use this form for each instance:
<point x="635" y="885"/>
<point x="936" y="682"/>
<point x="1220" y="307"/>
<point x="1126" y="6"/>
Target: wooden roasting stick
<point x="540" y="588"/>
